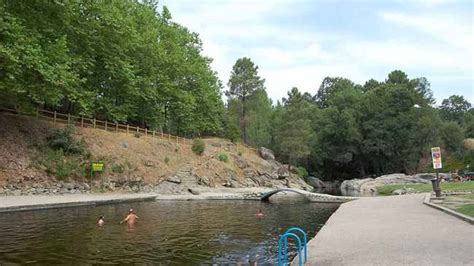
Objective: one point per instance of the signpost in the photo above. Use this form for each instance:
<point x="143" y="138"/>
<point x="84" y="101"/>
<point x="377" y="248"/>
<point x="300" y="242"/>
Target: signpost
<point x="97" y="167"/>
<point x="437" y="164"/>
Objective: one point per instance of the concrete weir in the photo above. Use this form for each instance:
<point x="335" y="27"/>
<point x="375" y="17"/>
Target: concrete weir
<point x="313" y="197"/>
<point x="394" y="230"/>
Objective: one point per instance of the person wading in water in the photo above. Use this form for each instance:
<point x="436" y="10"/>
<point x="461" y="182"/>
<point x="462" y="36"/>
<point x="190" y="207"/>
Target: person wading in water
<point x="131" y="218"/>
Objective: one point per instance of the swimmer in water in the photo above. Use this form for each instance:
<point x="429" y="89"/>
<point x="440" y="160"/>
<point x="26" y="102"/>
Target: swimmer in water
<point x="101" y="221"/>
<point x="131" y="218"/>
<point x="260" y="213"/>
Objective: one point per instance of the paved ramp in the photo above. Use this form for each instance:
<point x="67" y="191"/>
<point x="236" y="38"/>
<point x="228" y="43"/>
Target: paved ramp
<point x="397" y="230"/>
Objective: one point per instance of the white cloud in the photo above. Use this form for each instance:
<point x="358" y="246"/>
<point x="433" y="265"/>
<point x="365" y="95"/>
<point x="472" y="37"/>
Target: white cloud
<point x="424" y="42"/>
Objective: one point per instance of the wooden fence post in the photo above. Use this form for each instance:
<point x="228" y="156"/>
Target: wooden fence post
<point x="105" y="125"/>
<point x="116" y="127"/>
<point x="161" y="133"/>
<point x="68" y="119"/>
<point x="177" y="140"/>
<point x="93" y="122"/>
<point x="146" y="131"/>
<point x="82" y="121"/>
<point x="127" y="129"/>
<point x="54" y="119"/>
<point x="169" y="137"/>
<point x="153" y="133"/>
<point x="138" y="129"/>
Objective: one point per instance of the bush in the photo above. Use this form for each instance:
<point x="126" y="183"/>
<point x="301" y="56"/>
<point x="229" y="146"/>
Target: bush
<point x="137" y="135"/>
<point x="167" y="160"/>
<point x="239" y="153"/>
<point x="118" y="168"/>
<point x="63" y="139"/>
<point x="301" y="172"/>
<point x="198" y="146"/>
<point x="61" y="166"/>
<point x="223" y="157"/>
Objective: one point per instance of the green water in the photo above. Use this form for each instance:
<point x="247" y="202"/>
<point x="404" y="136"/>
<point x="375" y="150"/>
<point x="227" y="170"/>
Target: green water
<point x="176" y="233"/>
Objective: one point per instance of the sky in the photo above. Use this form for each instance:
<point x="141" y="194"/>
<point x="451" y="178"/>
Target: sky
<point x="298" y="43"/>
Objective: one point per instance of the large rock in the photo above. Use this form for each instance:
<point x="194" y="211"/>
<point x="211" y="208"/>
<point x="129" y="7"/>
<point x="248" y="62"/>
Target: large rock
<point x="266" y="154"/>
<point x="283" y="172"/>
<point x="315" y="182"/>
<point x="369" y="185"/>
<point x="174" y="179"/>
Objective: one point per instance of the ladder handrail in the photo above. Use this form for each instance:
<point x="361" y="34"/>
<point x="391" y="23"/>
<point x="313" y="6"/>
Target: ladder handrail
<point x="284" y="238"/>
<point x="305" y="238"/>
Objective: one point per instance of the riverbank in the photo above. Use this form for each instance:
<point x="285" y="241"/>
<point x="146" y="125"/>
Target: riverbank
<point x="397" y="230"/>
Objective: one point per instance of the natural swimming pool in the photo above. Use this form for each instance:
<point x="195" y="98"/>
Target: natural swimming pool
<point x="168" y="232"/>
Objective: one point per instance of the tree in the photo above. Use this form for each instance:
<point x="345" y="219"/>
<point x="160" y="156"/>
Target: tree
<point x="259" y="118"/>
<point x="329" y="87"/>
<point x="115" y="60"/>
<point x="397" y="77"/>
<point x="452" y="136"/>
<point x="295" y="131"/>
<point x="454" y="108"/>
<point x="244" y="80"/>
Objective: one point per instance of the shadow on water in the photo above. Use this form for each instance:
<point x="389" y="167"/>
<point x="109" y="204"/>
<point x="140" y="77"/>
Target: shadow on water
<point x="176" y="233"/>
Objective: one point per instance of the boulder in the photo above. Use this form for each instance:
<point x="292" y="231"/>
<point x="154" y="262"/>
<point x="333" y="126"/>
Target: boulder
<point x="315" y="182"/>
<point x="370" y="184"/>
<point x="398" y="192"/>
<point x="174" y="179"/>
<point x="283" y="172"/>
<point x="266" y="154"/>
<point x="193" y="191"/>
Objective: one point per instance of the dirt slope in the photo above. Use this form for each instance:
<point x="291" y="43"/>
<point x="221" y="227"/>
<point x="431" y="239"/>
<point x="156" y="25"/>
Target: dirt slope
<point x="151" y="164"/>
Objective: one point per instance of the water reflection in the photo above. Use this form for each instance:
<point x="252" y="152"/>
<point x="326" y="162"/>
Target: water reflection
<point x="177" y="233"/>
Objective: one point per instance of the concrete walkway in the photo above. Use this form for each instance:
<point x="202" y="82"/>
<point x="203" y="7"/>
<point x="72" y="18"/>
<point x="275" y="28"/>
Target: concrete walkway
<point x="396" y="230"/>
<point x="25" y="203"/>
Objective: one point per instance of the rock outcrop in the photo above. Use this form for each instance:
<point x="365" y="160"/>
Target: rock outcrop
<point x="266" y="154"/>
<point x="369" y="185"/>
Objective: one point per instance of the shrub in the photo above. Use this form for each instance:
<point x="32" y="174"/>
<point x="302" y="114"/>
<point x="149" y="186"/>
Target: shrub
<point x="63" y="139"/>
<point x="302" y="172"/>
<point x="198" y="146"/>
<point x="223" y="157"/>
<point x="167" y="160"/>
<point x="240" y="153"/>
<point x="118" y="168"/>
<point x="137" y="135"/>
<point x="61" y="166"/>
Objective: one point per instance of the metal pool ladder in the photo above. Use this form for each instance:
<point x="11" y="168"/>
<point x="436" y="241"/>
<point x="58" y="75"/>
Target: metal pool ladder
<point x="284" y="240"/>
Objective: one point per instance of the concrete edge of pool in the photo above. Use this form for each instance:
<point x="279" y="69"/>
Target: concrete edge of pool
<point x="30" y="203"/>
<point x="37" y="202"/>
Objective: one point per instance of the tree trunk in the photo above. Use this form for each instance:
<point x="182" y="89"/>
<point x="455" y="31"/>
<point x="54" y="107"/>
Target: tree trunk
<point x="244" y="122"/>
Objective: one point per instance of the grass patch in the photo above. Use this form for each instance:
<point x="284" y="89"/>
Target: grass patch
<point x="464" y="186"/>
<point x="223" y="157"/>
<point x="467" y="209"/>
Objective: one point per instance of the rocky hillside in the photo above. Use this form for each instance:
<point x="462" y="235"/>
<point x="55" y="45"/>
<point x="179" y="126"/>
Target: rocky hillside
<point x="133" y="163"/>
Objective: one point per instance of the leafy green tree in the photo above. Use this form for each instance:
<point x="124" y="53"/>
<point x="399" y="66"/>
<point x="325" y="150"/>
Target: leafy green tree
<point x="452" y="136"/>
<point x="295" y="131"/>
<point x="243" y="82"/>
<point x="455" y="108"/>
<point x="338" y="137"/>
<point x="259" y="117"/>
<point x="329" y="87"/>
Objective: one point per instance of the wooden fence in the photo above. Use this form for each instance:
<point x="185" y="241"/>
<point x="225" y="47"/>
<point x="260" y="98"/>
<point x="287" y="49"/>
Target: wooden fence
<point x="84" y="122"/>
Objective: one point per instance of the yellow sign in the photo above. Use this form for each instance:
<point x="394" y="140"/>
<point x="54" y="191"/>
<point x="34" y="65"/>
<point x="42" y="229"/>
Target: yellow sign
<point x="436" y="156"/>
<point x="97" y="167"/>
